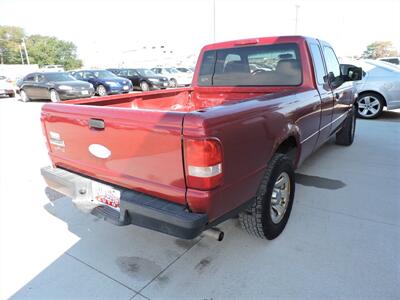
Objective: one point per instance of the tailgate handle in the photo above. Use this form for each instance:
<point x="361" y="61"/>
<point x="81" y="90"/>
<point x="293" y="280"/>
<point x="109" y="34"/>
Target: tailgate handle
<point x="96" y="124"/>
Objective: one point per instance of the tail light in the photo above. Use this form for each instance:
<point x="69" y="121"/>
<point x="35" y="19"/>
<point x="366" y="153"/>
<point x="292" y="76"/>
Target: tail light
<point x="203" y="163"/>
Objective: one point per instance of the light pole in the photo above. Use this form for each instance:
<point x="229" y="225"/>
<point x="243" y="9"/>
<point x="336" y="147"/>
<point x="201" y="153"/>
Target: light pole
<point x="20" y="53"/>
<point x="26" y="51"/>
<point x="296" y="19"/>
<point x="214" y="20"/>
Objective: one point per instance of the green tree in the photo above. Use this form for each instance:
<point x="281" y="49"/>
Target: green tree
<point x="380" y="49"/>
<point x="42" y="50"/>
<point x="46" y="50"/>
<point x="10" y="40"/>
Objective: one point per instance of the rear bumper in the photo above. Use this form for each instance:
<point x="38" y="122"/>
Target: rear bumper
<point x="135" y="208"/>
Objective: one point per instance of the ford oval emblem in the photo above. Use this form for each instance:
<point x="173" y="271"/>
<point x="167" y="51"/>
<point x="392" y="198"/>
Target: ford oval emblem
<point x="99" y="151"/>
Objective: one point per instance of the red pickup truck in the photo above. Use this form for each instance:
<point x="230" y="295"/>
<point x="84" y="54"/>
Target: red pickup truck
<point x="181" y="161"/>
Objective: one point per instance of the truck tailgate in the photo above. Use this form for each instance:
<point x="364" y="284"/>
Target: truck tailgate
<point x="136" y="149"/>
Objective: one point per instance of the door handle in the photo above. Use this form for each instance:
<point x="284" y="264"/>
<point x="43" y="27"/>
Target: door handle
<point x="97" y="124"/>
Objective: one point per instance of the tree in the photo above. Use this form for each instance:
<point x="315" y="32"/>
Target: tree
<point x="10" y="40"/>
<point x="42" y="50"/>
<point x="380" y="49"/>
<point x="46" y="50"/>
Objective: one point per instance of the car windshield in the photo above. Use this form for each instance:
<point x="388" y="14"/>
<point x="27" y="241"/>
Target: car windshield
<point x="146" y="72"/>
<point x="172" y="70"/>
<point x="103" y="74"/>
<point x="59" y="77"/>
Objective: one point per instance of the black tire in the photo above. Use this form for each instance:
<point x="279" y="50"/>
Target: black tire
<point x="144" y="86"/>
<point x="24" y="96"/>
<point x="12" y="95"/>
<point x="54" y="96"/>
<point x="101" y="90"/>
<point x="375" y="110"/>
<point x="173" y="83"/>
<point x="345" y="136"/>
<point x="257" y="219"/>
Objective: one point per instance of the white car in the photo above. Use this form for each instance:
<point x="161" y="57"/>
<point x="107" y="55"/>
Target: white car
<point x="393" y="60"/>
<point x="6" y="87"/>
<point x="175" y="77"/>
<point x="52" y="68"/>
<point x="379" y="88"/>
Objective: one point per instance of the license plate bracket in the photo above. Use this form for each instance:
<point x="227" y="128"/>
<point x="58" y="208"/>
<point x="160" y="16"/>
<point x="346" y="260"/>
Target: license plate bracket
<point x="104" y="194"/>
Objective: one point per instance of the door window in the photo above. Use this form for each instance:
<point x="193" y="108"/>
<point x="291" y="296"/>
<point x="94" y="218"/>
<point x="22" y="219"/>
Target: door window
<point x="318" y="63"/>
<point x="332" y="63"/>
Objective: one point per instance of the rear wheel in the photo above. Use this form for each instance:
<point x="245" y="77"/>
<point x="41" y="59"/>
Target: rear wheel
<point x="101" y="90"/>
<point x="24" y="96"/>
<point x="12" y="95"/>
<point x="370" y="105"/>
<point x="268" y="215"/>
<point x="54" y="96"/>
<point x="144" y="86"/>
<point x="346" y="135"/>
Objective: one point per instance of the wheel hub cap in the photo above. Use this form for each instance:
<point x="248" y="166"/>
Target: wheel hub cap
<point x="280" y="197"/>
<point x="368" y="106"/>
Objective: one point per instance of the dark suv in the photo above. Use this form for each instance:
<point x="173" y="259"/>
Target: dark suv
<point x="143" y="79"/>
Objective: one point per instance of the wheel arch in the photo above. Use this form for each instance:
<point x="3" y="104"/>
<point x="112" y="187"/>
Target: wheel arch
<point x="373" y="92"/>
<point x="290" y="146"/>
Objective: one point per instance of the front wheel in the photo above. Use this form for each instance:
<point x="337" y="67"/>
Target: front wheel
<point x="101" y="90"/>
<point x="144" y="86"/>
<point x="370" y="105"/>
<point x="54" y="96"/>
<point x="345" y="136"/>
<point x="173" y="83"/>
<point x="268" y="215"/>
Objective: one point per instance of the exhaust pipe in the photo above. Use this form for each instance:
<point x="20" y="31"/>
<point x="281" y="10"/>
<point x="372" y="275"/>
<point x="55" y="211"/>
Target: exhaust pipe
<point x="214" y="233"/>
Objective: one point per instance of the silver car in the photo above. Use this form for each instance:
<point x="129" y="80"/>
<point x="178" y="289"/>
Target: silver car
<point x="379" y="88"/>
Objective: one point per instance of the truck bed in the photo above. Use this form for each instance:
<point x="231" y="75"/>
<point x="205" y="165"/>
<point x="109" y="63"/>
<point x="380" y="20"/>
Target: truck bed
<point x="178" y="100"/>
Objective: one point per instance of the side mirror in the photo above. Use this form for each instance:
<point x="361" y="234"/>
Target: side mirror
<point x="351" y="73"/>
<point x="333" y="81"/>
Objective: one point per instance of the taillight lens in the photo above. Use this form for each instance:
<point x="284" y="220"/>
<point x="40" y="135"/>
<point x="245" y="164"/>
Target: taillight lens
<point x="203" y="163"/>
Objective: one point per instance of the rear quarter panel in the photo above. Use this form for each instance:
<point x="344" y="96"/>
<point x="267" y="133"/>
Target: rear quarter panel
<point x="250" y="131"/>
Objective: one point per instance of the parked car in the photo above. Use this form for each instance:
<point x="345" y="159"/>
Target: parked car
<point x="379" y="88"/>
<point x="392" y="60"/>
<point x="185" y="70"/>
<point x="175" y="77"/>
<point x="6" y="87"/>
<point x="143" y="79"/>
<point x="104" y="82"/>
<point x="54" y="86"/>
<point x="52" y="68"/>
<point x="181" y="162"/>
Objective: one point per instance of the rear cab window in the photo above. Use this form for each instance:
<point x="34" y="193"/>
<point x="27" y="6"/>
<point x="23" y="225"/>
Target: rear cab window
<point x="265" y="65"/>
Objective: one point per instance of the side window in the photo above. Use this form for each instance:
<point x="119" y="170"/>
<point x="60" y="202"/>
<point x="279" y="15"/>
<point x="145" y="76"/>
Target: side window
<point x="332" y="63"/>
<point x="88" y="75"/>
<point x="78" y="75"/>
<point x="30" y="77"/>
<point x="318" y="63"/>
<point x="41" y="78"/>
<point x="207" y="68"/>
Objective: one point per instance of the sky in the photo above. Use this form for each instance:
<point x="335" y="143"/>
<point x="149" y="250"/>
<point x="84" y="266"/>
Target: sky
<point x="108" y="32"/>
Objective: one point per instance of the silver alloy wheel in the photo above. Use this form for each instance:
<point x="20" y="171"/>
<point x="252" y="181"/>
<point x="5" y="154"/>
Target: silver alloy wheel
<point x="101" y="90"/>
<point x="144" y="86"/>
<point x="368" y="106"/>
<point x="54" y="96"/>
<point x="24" y="97"/>
<point x="280" y="197"/>
<point x="174" y="83"/>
